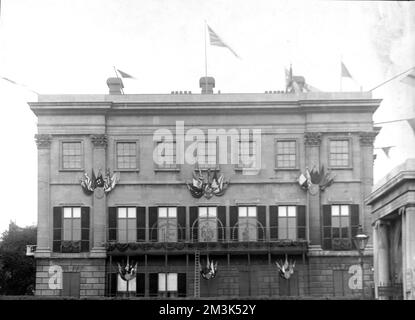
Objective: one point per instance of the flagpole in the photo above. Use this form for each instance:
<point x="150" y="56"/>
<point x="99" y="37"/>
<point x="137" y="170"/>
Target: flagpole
<point x="116" y="73"/>
<point x="341" y="74"/>
<point x="206" y="81"/>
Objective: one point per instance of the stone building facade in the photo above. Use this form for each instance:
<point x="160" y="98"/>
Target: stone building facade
<point x="151" y="220"/>
<point x="393" y="221"/>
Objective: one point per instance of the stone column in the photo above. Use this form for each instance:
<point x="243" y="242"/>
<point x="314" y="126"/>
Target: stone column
<point x="312" y="141"/>
<point x="44" y="226"/>
<point x="408" y="241"/>
<point x="99" y="205"/>
<point x="375" y="258"/>
<point x="382" y="254"/>
<point x="366" y="176"/>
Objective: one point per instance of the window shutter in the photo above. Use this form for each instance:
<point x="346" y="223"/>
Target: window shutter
<point x="112" y="284"/>
<point x="112" y="224"/>
<point x="221" y="223"/>
<point x="301" y="223"/>
<point x="57" y="228"/>
<point x="181" y="223"/>
<point x="153" y="284"/>
<point x="193" y="223"/>
<point x="85" y="223"/>
<point x="181" y="284"/>
<point x="233" y="220"/>
<point x="327" y="227"/>
<point x="140" y="284"/>
<point x="152" y="222"/>
<point x="261" y="219"/>
<point x="354" y="219"/>
<point x="141" y="224"/>
<point x="273" y="222"/>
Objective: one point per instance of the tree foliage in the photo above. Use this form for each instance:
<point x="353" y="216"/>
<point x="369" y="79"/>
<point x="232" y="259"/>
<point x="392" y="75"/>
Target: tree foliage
<point x="17" y="271"/>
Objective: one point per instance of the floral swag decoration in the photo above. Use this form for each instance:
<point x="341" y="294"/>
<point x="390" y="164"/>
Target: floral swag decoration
<point x="107" y="184"/>
<point x="286" y="268"/>
<point x="209" y="272"/>
<point x="315" y="179"/>
<point x="207" y="185"/>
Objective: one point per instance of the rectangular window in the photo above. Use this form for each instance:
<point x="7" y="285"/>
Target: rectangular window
<point x="247" y="154"/>
<point x="122" y="285"/>
<point x="208" y="227"/>
<point x="339" y="153"/>
<point x="167" y="224"/>
<point x="127" y="155"/>
<point x="72" y="224"/>
<point x="286" y="154"/>
<point x="207" y="154"/>
<point x="167" y="155"/>
<point x="71" y="155"/>
<point x="247" y="224"/>
<point x="287" y="222"/>
<point x="168" y="283"/>
<point x="127" y="224"/>
<point x="340" y="221"/>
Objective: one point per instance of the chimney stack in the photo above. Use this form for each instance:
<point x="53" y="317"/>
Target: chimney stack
<point x="207" y="84"/>
<point x="115" y="85"/>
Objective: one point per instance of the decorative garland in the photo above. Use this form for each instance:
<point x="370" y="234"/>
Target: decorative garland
<point x="207" y="185"/>
<point x="285" y="269"/>
<point x="315" y="179"/>
<point x="107" y="184"/>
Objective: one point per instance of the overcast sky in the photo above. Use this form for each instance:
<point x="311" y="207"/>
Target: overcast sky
<point x="60" y="46"/>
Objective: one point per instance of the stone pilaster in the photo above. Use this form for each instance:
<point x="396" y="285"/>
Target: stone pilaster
<point x="44" y="227"/>
<point x="383" y="272"/>
<point x="99" y="205"/>
<point x="366" y="140"/>
<point x="312" y="141"/>
<point x="408" y="244"/>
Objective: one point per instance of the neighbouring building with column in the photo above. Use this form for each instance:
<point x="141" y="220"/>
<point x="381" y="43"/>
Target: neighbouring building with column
<point x="393" y="221"/>
<point x="122" y="211"/>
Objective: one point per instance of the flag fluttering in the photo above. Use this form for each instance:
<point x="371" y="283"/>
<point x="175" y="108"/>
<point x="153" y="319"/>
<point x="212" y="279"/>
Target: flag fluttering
<point x="386" y="150"/>
<point x="345" y="73"/>
<point x="215" y="40"/>
<point x="411" y="123"/>
<point x="124" y="74"/>
<point x="409" y="78"/>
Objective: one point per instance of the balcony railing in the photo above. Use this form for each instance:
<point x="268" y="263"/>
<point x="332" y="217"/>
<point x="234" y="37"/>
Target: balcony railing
<point x="215" y="239"/>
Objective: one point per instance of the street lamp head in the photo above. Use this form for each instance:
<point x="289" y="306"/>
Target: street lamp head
<point x="360" y="239"/>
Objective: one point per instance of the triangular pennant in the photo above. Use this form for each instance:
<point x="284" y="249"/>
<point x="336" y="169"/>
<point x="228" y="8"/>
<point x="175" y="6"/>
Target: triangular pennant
<point x="345" y="72"/>
<point x="411" y="123"/>
<point x="386" y="150"/>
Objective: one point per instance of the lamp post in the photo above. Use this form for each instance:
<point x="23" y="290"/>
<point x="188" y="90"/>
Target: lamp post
<point x="360" y="241"/>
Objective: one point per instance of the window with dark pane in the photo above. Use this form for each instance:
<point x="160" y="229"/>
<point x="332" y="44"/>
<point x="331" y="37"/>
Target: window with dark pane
<point x="287" y="222"/>
<point x="167" y="224"/>
<point x="247" y="152"/>
<point x="286" y="154"/>
<point x="207" y="154"/>
<point x="126" y="155"/>
<point x="72" y="224"/>
<point x="339" y="153"/>
<point x="247" y="224"/>
<point x="167" y="156"/>
<point x="71" y="155"/>
<point x="340" y="226"/>
<point x="208" y="227"/>
<point x="127" y="225"/>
